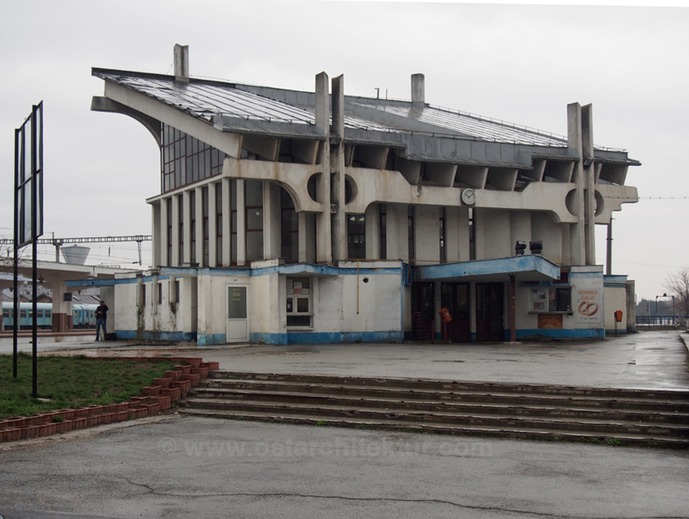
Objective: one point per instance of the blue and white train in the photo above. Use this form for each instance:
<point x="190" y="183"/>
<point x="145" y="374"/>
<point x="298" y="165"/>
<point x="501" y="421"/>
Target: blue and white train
<point x="83" y="315"/>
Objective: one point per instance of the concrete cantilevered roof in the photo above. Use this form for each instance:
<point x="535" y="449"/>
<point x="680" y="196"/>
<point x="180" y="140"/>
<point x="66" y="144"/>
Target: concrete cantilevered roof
<point x="260" y="109"/>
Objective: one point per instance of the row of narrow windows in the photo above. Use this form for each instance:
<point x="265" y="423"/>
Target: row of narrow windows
<point x="289" y="227"/>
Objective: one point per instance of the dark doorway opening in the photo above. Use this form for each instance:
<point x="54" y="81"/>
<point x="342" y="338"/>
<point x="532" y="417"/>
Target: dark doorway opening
<point x="490" y="310"/>
<point x="455" y="297"/>
<point x="422" y="311"/>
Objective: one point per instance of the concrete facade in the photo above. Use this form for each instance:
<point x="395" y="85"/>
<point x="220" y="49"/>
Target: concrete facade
<point x="291" y="216"/>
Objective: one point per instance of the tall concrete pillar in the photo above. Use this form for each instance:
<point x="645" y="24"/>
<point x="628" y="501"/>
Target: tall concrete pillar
<point x="324" y="247"/>
<point x="373" y="231"/>
<point x="574" y="141"/>
<point x="589" y="186"/>
<point x="337" y="167"/>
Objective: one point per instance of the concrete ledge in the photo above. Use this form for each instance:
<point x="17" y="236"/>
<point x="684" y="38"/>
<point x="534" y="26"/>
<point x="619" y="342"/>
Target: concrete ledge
<point x="327" y="337"/>
<point x="684" y="337"/>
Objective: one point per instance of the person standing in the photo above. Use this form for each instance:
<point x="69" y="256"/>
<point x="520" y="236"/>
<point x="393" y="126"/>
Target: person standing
<point x="101" y="319"/>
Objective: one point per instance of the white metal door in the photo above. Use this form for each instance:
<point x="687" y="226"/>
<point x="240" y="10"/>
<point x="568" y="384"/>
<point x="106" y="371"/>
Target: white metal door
<point x="237" y="314"/>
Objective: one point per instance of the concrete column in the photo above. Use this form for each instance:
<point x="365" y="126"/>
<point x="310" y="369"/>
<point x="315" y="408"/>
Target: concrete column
<point x="174" y="260"/>
<point x="271" y="220"/>
<point x="589" y="184"/>
<point x="323" y="219"/>
<point x="337" y="167"/>
<point x="226" y="223"/>
<point x="373" y="231"/>
<point x="212" y="225"/>
<point x="198" y="216"/>
<point x="62" y="310"/>
<point x="241" y="223"/>
<point x="427" y="234"/>
<point x="574" y="138"/>
<point x="164" y="245"/>
<point x="397" y="232"/>
<point x="186" y="219"/>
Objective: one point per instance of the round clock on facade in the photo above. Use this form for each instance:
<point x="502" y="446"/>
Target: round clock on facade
<point x="468" y="196"/>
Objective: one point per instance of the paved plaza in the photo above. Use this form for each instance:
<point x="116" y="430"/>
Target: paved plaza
<point x="176" y="466"/>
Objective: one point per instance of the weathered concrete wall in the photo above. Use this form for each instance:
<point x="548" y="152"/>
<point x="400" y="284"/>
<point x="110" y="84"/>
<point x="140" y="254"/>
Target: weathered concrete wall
<point x="427" y="235"/>
<point x="493" y="238"/>
<point x="546" y="230"/>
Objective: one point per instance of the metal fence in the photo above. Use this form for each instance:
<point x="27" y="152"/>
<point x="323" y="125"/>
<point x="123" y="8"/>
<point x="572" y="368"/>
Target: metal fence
<point x="662" y="321"/>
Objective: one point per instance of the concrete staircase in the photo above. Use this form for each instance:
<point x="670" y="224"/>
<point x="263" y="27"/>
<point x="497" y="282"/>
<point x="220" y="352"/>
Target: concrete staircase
<point x="639" y="417"/>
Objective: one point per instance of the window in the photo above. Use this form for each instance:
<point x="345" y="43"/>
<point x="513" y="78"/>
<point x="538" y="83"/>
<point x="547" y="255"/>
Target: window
<point x="290" y="229"/>
<point x="299" y="301"/>
<point x="356" y="236"/>
<point x="383" y="232"/>
<point x="168" y="209"/>
<point x="174" y="290"/>
<point x="551" y="299"/>
<point x="204" y="226"/>
<point x="192" y="225"/>
<point x="411" y="236"/>
<point x="218" y="223"/>
<point x="442" y="215"/>
<point x="185" y="159"/>
<point x="254" y="219"/>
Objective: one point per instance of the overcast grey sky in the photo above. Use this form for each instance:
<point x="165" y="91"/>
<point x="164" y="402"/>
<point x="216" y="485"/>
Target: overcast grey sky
<point x="514" y="62"/>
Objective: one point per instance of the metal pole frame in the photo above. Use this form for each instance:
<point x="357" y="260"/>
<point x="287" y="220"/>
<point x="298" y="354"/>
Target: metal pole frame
<point x="15" y="325"/>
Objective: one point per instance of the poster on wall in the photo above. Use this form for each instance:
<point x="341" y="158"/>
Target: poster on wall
<point x="539" y="300"/>
<point x="588" y="302"/>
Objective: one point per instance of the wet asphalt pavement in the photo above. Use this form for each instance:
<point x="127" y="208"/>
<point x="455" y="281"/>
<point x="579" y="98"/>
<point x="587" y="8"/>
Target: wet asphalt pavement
<point x="174" y="466"/>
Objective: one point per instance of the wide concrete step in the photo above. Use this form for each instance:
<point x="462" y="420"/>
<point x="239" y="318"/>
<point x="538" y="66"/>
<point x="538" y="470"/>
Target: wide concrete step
<point x="680" y="395"/>
<point x="629" y="416"/>
<point x="485" y="418"/>
<point x="485" y="406"/>
<point x="499" y="394"/>
<point x="628" y="439"/>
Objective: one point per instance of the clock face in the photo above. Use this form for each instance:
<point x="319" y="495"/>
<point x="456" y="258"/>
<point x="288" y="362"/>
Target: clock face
<point x="469" y="196"/>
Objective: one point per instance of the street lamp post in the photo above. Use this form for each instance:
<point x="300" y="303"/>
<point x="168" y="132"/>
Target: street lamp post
<point x="673" y="307"/>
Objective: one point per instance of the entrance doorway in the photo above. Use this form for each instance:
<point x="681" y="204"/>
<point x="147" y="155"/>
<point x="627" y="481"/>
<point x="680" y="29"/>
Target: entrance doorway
<point x="455" y="297"/>
<point x="237" y="326"/>
<point x="490" y="310"/>
<point x="422" y="311"/>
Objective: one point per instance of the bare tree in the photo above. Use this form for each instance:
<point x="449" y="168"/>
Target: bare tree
<point x="678" y="286"/>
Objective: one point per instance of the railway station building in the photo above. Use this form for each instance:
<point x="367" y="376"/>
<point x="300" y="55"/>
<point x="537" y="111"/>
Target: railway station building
<point x="300" y="217"/>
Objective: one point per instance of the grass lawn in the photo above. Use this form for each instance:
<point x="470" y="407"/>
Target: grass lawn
<point x="72" y="382"/>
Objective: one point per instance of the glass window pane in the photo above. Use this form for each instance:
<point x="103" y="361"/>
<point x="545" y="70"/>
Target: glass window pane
<point x="236" y="307"/>
<point x="303" y="305"/>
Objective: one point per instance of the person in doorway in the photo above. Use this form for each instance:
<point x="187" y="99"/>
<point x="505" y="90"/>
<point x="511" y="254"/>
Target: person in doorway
<point x="101" y="319"/>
